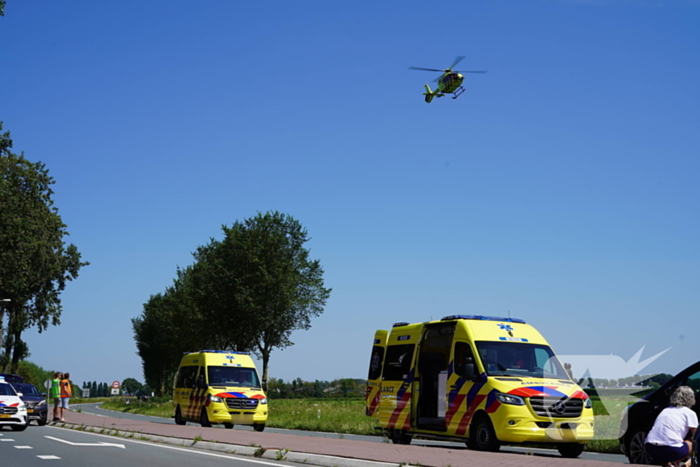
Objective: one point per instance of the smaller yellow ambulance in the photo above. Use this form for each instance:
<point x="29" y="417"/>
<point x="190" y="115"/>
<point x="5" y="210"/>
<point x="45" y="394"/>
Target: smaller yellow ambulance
<point x="484" y="380"/>
<point x="219" y="387"/>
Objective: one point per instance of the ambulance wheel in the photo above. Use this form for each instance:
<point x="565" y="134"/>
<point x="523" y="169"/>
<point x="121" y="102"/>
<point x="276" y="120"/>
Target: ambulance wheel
<point x="259" y="426"/>
<point x="570" y="449"/>
<point x="228" y="425"/>
<point x="400" y="437"/>
<point x="204" y="419"/>
<point x="178" y="417"/>
<point x="482" y="436"/>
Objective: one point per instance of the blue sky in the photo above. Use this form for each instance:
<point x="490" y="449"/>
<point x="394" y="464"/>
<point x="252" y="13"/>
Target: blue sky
<point x="560" y="188"/>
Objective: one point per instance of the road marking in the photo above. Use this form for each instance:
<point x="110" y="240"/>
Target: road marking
<point x="48" y="457"/>
<point x="231" y="457"/>
<point x="23" y="447"/>
<point x="86" y="444"/>
<point x="7" y="439"/>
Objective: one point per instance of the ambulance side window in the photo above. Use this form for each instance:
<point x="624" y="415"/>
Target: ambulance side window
<point x="463" y="355"/>
<point x="186" y="377"/>
<point x="398" y="361"/>
<point x="375" y="362"/>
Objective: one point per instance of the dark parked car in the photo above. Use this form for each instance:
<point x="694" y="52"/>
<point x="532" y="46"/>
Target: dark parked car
<point x="37" y="408"/>
<point x="640" y="416"/>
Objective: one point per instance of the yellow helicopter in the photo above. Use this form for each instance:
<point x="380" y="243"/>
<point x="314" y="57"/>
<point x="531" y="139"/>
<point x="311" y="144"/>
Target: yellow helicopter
<point x="449" y="83"/>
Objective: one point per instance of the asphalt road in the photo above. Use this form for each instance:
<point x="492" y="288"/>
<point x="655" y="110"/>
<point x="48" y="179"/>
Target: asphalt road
<point x="36" y="445"/>
<point x="95" y="409"/>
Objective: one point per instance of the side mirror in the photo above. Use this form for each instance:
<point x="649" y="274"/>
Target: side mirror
<point x="200" y="384"/>
<point x="468" y="371"/>
<point x="264" y="385"/>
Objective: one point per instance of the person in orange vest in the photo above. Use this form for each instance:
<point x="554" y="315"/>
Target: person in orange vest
<point x="66" y="393"/>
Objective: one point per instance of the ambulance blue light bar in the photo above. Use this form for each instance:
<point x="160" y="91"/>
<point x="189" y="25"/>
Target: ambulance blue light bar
<point x="484" y="318"/>
<point x="235" y="352"/>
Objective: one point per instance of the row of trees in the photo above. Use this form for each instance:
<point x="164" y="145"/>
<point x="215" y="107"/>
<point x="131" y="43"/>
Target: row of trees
<point x="36" y="263"/>
<point x="246" y="292"/>
<point x="299" y="389"/>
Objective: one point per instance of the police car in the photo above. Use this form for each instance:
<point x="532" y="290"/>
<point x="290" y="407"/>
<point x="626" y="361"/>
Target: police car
<point x="13" y="412"/>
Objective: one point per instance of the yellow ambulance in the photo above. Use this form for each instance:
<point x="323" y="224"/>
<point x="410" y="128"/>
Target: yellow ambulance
<point x="219" y="387"/>
<point x="484" y="380"/>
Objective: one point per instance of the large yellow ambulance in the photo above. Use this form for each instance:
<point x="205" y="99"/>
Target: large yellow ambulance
<point x="219" y="387"/>
<point x="486" y="380"/>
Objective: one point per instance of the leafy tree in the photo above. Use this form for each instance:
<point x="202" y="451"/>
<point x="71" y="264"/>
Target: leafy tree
<point x="2" y="7"/>
<point x="274" y="287"/>
<point x="93" y="389"/>
<point x="131" y="386"/>
<point x="33" y="373"/>
<point x="258" y="285"/>
<point x="36" y="263"/>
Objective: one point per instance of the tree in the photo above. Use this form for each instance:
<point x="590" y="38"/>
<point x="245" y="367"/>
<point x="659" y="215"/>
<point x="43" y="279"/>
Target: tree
<point x="2" y="7"/>
<point x="258" y="284"/>
<point x="36" y="262"/>
<point x="131" y="386"/>
<point x="275" y="287"/>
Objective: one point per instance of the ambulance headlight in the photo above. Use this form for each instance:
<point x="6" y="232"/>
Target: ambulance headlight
<point x="263" y="401"/>
<point x="215" y="399"/>
<point x="588" y="403"/>
<point x="509" y="399"/>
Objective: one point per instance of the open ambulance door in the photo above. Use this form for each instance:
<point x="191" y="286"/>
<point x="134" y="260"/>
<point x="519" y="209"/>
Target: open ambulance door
<point x="374" y="378"/>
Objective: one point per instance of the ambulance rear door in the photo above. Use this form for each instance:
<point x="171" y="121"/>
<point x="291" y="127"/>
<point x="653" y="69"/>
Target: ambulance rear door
<point x="374" y="378"/>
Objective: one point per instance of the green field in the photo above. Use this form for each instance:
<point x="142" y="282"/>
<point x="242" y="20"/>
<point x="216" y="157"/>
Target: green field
<point x="347" y="416"/>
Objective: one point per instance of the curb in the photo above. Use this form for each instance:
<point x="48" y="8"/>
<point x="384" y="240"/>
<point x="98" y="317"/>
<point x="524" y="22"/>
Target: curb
<point x="280" y="455"/>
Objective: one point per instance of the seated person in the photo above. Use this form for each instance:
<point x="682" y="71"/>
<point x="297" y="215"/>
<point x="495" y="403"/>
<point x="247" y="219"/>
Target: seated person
<point x="669" y="441"/>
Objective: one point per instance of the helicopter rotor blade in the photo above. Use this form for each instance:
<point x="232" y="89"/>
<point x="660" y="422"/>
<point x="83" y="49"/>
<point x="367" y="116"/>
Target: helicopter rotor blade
<point x="463" y="71"/>
<point x="424" y="69"/>
<point x="457" y="60"/>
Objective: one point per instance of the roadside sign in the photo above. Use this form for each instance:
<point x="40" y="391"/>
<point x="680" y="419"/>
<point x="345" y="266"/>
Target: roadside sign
<point x="86" y="393"/>
<point x="115" y="391"/>
<point x="47" y="384"/>
<point x="116" y="385"/>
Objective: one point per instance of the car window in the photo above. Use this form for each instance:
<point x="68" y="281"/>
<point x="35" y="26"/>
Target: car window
<point x="6" y="390"/>
<point x="694" y="382"/>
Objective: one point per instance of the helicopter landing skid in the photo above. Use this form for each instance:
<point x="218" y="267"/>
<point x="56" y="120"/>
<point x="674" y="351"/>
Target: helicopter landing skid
<point x="458" y="92"/>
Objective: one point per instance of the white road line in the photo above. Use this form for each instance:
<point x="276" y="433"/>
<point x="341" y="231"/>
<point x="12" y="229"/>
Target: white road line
<point x="48" y="457"/>
<point x="231" y="457"/>
<point x="7" y="439"/>
<point x="86" y="444"/>
<point x="23" y="447"/>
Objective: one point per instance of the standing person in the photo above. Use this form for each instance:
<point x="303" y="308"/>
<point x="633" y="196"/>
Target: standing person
<point x="669" y="442"/>
<point x="66" y="393"/>
<point x="56" y="395"/>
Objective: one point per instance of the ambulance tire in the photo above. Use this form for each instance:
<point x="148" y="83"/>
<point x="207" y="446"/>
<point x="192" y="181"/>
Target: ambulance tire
<point x="570" y="450"/>
<point x="259" y="427"/>
<point x="204" y="419"/>
<point x="178" y="417"/>
<point x="400" y="437"/>
<point x="228" y="426"/>
<point x="482" y="436"/>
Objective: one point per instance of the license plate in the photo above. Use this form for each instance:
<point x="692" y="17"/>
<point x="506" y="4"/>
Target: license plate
<point x="30" y="410"/>
<point x="4" y="415"/>
<point x="568" y="426"/>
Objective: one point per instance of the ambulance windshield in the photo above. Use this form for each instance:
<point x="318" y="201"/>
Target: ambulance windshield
<point x="520" y="359"/>
<point x="232" y="376"/>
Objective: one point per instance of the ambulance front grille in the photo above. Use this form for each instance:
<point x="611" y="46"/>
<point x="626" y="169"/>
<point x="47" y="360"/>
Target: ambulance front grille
<point x="556" y="407"/>
<point x="241" y="403"/>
